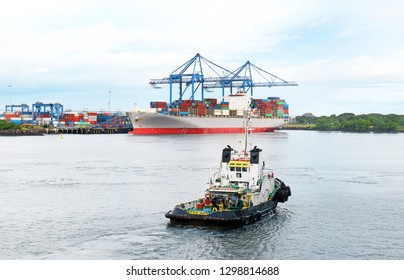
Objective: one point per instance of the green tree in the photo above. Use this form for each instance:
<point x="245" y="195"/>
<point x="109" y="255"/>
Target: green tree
<point x="6" y="125"/>
<point x="361" y="125"/>
<point x="307" y="118"/>
<point x="352" y="122"/>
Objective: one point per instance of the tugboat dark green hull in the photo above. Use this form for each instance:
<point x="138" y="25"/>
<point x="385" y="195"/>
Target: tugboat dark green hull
<point x="226" y="218"/>
<point x="231" y="217"/>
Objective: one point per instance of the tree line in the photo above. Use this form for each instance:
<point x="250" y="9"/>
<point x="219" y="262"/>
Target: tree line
<point x="355" y="123"/>
<point x="8" y="125"/>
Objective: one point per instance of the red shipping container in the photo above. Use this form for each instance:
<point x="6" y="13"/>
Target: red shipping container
<point x="189" y="102"/>
<point x="160" y="105"/>
<point x="201" y="111"/>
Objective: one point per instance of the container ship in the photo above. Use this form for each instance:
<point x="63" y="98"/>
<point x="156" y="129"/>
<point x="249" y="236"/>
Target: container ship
<point x="210" y="116"/>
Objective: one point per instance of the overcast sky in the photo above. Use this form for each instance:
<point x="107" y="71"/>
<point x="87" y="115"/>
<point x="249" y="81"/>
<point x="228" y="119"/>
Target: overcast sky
<point x="346" y="56"/>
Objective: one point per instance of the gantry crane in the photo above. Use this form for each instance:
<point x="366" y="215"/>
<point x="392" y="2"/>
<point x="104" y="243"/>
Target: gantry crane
<point x="55" y="111"/>
<point x="192" y="73"/>
<point x="10" y="108"/>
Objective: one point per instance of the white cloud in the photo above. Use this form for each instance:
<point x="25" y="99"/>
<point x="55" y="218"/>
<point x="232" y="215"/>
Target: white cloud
<point x="88" y="46"/>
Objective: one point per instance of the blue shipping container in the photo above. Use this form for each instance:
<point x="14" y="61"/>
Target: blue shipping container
<point x="16" y="121"/>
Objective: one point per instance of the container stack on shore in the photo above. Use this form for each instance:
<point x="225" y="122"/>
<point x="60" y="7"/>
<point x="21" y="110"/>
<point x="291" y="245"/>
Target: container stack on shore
<point x="113" y="120"/>
<point x="17" y="118"/>
<point x="70" y="119"/>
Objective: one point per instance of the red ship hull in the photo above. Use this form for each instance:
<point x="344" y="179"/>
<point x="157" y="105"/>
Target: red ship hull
<point x="148" y="131"/>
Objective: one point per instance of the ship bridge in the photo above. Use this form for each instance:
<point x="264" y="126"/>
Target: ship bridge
<point x="241" y="169"/>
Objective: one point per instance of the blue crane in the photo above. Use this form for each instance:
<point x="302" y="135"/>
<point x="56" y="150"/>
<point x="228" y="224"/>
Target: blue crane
<point x="242" y="79"/>
<point x="192" y="73"/>
<point x="10" y="108"/>
<point x="55" y="111"/>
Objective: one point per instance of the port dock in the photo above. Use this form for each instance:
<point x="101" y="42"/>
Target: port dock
<point x="51" y="118"/>
<point x="87" y="130"/>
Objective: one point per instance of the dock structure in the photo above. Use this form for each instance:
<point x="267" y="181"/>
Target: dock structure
<point x="87" y="130"/>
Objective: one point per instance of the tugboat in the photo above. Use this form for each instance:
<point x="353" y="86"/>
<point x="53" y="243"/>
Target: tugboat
<point x="239" y="193"/>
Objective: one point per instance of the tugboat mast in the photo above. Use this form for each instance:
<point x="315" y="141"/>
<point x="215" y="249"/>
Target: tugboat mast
<point x="247" y="127"/>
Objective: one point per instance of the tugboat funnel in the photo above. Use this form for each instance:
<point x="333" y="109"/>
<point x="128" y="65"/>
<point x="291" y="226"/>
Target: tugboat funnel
<point x="255" y="155"/>
<point x="226" y="154"/>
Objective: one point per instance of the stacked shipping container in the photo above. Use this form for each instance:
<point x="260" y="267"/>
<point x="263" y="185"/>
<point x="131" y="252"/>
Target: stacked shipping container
<point x="268" y="108"/>
<point x="114" y="120"/>
<point x="271" y="107"/>
<point x="158" y="105"/>
<point x="92" y="118"/>
<point x="25" y="118"/>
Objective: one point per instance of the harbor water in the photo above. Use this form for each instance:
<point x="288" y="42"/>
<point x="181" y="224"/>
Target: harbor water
<point x="105" y="196"/>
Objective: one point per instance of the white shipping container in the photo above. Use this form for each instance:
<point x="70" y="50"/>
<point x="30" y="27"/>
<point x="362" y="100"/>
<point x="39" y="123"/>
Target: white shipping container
<point x="238" y="102"/>
<point x="240" y="112"/>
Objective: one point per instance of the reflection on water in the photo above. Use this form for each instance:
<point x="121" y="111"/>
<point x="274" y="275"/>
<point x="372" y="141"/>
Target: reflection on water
<point x="243" y="242"/>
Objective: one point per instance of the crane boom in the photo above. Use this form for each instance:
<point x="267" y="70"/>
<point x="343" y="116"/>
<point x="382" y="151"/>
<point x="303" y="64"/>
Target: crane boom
<point x="241" y="78"/>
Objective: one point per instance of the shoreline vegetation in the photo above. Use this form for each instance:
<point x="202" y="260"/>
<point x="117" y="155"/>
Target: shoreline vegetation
<point x="348" y="122"/>
<point x="11" y="129"/>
